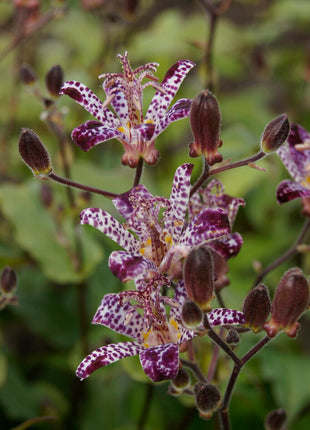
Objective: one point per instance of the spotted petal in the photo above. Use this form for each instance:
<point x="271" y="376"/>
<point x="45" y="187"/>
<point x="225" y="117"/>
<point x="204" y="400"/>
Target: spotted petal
<point x="178" y="111"/>
<point x="108" y="225"/>
<point x="113" y="315"/>
<point x="207" y="225"/>
<point x="171" y="83"/>
<point x="223" y="316"/>
<point x="86" y="98"/>
<point x="91" y="133"/>
<point x="175" y="215"/>
<point x="289" y="190"/>
<point x="106" y="355"/>
<point x="229" y="246"/>
<point x="126" y="266"/>
<point x="123" y="202"/>
<point x="160" y="362"/>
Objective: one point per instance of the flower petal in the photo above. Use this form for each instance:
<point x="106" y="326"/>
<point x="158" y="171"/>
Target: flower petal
<point x="171" y="83"/>
<point x="288" y="190"/>
<point x="113" y="315"/>
<point x="207" y="225"/>
<point x="106" y="355"/>
<point x="223" y="316"/>
<point x="126" y="266"/>
<point x="91" y="133"/>
<point x="160" y="362"/>
<point x="179" y="110"/>
<point x="229" y="246"/>
<point x="86" y="98"/>
<point x="108" y="225"/>
<point x="175" y="215"/>
<point x="123" y="202"/>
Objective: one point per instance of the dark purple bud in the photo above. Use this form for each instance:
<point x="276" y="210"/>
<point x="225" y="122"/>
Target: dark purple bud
<point x="191" y="314"/>
<point x="207" y="399"/>
<point x="181" y="381"/>
<point x="232" y="337"/>
<point x="198" y="277"/>
<point x="27" y="75"/>
<point x="256" y="308"/>
<point x="205" y="119"/>
<point x="8" y="280"/>
<point x="290" y="301"/>
<point x="34" y="153"/>
<point x="275" y="133"/>
<point x="276" y="420"/>
<point x="54" y="80"/>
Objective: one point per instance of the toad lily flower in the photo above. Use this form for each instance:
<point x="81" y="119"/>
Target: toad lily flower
<point x="124" y="91"/>
<point x="295" y="155"/>
<point x="158" y="345"/>
<point x="160" y="240"/>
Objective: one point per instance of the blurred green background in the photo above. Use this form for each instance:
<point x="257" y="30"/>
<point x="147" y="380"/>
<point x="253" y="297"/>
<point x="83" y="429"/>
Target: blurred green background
<point x="261" y="68"/>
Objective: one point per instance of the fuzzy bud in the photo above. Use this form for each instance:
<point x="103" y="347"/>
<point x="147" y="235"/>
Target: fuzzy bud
<point x="276" y="420"/>
<point x="54" y="80"/>
<point x="191" y="314"/>
<point x="198" y="277"/>
<point x="205" y="120"/>
<point x="27" y="75"/>
<point x="8" y="280"/>
<point x="181" y="381"/>
<point x="275" y="134"/>
<point x="232" y="337"/>
<point x="34" y="153"/>
<point x="290" y="301"/>
<point x="207" y="399"/>
<point x="256" y="308"/>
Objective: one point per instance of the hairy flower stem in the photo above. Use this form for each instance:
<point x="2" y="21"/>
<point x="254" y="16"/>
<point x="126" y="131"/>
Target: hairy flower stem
<point x="73" y="184"/>
<point x="138" y="172"/>
<point x="286" y="255"/>
<point x="195" y="369"/>
<point x="224" y="411"/>
<point x="207" y="172"/>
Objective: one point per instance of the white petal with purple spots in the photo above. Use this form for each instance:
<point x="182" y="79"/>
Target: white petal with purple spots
<point x="223" y="316"/>
<point x="160" y="362"/>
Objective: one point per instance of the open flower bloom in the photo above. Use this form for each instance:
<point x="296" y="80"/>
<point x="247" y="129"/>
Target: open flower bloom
<point x="157" y="339"/>
<point x="295" y="155"/>
<point x="124" y="91"/>
<point x="213" y="196"/>
<point x="160" y="239"/>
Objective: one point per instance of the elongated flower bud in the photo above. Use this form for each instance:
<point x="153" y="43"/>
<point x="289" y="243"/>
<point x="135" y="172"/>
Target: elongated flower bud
<point x="8" y="280"/>
<point x="290" y="301"/>
<point x="275" y="134"/>
<point x="276" y="420"/>
<point x="205" y="120"/>
<point x="198" y="277"/>
<point x="207" y="399"/>
<point x="34" y="153"/>
<point x="191" y="314"/>
<point x="256" y="308"/>
<point x="27" y="75"/>
<point x="54" y="80"/>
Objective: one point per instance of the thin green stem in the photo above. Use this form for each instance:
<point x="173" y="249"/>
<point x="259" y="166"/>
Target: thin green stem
<point x="195" y="369"/>
<point x="138" y="172"/>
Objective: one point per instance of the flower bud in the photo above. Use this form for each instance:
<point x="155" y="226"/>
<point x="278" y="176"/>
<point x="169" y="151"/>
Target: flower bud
<point x="198" y="277"/>
<point x="275" y="134"/>
<point x="191" y="314"/>
<point x="8" y="280"/>
<point x="207" y="399"/>
<point x="232" y="337"/>
<point x="290" y="301"/>
<point x="256" y="308"/>
<point x="34" y="153"/>
<point x="276" y="420"/>
<point x="27" y="75"/>
<point x="54" y="80"/>
<point x="205" y="120"/>
<point x="181" y="381"/>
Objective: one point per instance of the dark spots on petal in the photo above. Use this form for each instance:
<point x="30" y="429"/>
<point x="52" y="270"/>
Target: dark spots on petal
<point x="73" y="93"/>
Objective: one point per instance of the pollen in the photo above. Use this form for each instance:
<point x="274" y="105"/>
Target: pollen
<point x="142" y="251"/>
<point x="168" y="239"/>
<point x="121" y="129"/>
<point x="306" y="182"/>
<point x="149" y="241"/>
<point x="149" y="121"/>
<point x="174" y="323"/>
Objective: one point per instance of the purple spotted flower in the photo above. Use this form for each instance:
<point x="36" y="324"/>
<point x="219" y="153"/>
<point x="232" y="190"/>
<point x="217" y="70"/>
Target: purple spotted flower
<point x="160" y="238"/>
<point x="124" y="92"/>
<point x="295" y="155"/>
<point x="213" y="196"/>
<point x="157" y="339"/>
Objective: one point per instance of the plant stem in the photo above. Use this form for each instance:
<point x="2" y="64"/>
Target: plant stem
<point x="138" y="172"/>
<point x="286" y="255"/>
<point x="70" y="183"/>
<point x="195" y="369"/>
